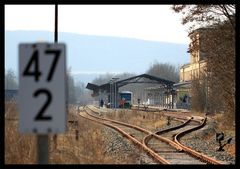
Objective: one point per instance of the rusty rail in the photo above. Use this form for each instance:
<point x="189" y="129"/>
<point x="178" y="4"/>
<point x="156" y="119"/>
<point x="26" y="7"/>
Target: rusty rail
<point x="201" y="156"/>
<point x="174" y="143"/>
<point x="151" y="152"/>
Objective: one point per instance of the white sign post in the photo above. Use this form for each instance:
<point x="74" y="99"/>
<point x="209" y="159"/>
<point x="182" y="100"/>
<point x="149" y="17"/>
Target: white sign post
<point x="42" y="88"/>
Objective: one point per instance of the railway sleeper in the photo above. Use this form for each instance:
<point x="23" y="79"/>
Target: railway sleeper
<point x="180" y="158"/>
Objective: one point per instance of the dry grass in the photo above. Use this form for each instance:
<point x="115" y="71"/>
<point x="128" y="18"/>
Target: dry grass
<point x="18" y="148"/>
<point x="88" y="149"/>
<point x="230" y="148"/>
<point x="220" y="118"/>
<point x="197" y="113"/>
<point x="150" y="121"/>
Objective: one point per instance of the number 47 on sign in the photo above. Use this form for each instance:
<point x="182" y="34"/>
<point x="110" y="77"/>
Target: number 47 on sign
<point x="42" y="88"/>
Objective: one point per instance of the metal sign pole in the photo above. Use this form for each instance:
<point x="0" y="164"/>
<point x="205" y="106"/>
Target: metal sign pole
<point x="42" y="139"/>
<point x="56" y="24"/>
<point x="56" y="41"/>
<point x="42" y="145"/>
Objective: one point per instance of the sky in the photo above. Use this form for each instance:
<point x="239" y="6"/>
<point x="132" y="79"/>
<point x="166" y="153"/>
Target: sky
<point x="147" y="22"/>
<point x="151" y="23"/>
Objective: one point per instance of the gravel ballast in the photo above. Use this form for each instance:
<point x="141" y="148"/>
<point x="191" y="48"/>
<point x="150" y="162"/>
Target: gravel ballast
<point x="204" y="141"/>
<point x="124" y="151"/>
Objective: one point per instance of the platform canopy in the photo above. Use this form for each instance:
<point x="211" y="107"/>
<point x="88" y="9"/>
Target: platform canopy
<point x="94" y="88"/>
<point x="143" y="78"/>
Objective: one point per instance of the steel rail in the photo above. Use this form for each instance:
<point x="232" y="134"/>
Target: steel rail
<point x="148" y="137"/>
<point x="177" y="136"/>
<point x="188" y="150"/>
<point x="193" y="152"/>
<point x="200" y="156"/>
<point x="151" y="152"/>
<point x="168" y="141"/>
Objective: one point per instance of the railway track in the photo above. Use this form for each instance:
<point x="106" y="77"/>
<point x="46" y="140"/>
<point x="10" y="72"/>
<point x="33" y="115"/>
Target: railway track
<point x="134" y="133"/>
<point x="175" y="157"/>
<point x="189" y="124"/>
<point x="163" y="146"/>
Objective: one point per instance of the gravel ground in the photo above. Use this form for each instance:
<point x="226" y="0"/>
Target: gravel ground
<point x="204" y="141"/>
<point x="124" y="151"/>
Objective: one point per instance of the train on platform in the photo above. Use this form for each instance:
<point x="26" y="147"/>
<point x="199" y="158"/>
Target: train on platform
<point x="125" y="99"/>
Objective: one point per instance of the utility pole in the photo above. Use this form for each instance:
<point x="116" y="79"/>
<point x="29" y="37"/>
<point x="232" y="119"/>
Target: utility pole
<point x="116" y="95"/>
<point x="56" y="24"/>
<point x="42" y="139"/>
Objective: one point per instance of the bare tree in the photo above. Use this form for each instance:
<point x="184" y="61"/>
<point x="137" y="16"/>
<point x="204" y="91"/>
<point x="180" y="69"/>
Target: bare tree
<point x="198" y="91"/>
<point x="164" y="71"/>
<point x="203" y="15"/>
<point x="218" y="45"/>
<point x="105" y="78"/>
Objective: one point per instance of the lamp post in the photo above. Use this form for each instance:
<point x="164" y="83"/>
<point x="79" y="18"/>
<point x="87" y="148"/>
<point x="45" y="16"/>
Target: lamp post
<point x="110" y="93"/>
<point x="115" y="91"/>
<point x="174" y="93"/>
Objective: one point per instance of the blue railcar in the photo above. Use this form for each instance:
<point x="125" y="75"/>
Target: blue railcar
<point x="125" y="99"/>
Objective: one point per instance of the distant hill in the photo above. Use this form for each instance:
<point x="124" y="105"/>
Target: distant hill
<point x="91" y="54"/>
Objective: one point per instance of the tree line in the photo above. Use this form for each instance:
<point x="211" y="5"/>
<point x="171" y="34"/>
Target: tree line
<point x="77" y="92"/>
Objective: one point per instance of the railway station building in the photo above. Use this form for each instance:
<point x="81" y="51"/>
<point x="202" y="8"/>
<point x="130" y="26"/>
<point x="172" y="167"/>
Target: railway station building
<point x="196" y="69"/>
<point x="108" y="92"/>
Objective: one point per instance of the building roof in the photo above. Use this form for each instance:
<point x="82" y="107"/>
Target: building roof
<point x="143" y="78"/>
<point x="92" y="86"/>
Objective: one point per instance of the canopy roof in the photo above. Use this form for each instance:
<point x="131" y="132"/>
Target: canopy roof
<point x="143" y="78"/>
